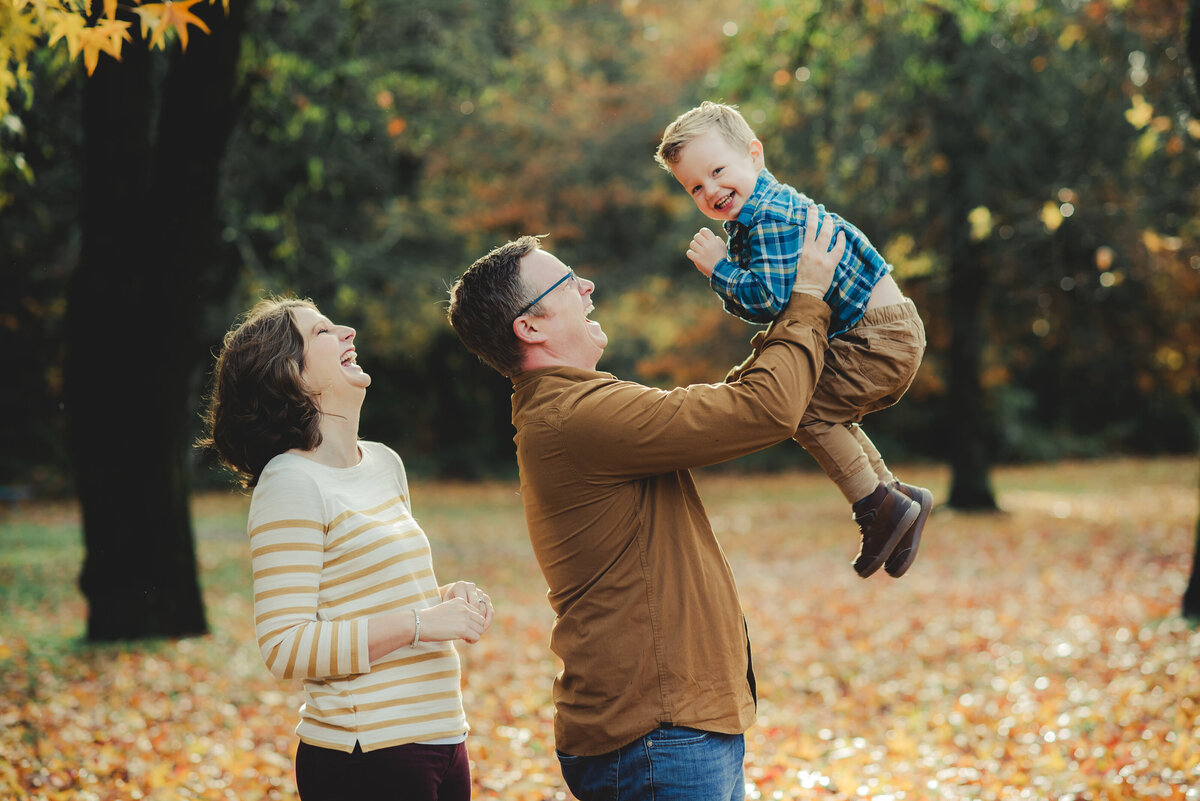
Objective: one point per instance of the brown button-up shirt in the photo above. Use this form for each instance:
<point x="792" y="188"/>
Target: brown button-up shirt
<point x="649" y="626"/>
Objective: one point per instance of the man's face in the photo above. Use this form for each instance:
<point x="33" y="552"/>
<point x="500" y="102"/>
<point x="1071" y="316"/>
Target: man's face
<point x="719" y="176"/>
<point x="571" y="337"/>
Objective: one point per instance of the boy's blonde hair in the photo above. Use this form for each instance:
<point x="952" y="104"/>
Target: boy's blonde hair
<point x="708" y="116"/>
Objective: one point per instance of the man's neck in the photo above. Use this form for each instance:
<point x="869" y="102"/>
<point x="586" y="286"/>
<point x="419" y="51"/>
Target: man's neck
<point x="536" y="358"/>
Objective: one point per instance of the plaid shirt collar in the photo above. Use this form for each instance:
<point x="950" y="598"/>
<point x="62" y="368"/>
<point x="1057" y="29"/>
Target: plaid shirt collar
<point x="750" y="207"/>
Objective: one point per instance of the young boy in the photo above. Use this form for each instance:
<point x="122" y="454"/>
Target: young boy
<point x="876" y="337"/>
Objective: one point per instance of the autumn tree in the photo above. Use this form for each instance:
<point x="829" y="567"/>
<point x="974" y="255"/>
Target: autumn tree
<point x="154" y="129"/>
<point x="154" y="137"/>
<point x="385" y="144"/>
<point x="994" y="153"/>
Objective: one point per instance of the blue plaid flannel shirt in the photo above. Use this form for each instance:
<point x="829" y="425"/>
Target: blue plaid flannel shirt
<point x="764" y="247"/>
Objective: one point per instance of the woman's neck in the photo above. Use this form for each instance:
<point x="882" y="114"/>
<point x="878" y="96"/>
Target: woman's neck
<point x="339" y="442"/>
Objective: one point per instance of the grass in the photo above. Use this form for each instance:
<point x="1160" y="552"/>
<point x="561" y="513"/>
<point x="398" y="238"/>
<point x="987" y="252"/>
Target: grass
<point x="1031" y="654"/>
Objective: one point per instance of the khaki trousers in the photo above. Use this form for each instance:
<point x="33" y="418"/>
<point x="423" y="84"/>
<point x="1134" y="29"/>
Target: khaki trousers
<point x="867" y="368"/>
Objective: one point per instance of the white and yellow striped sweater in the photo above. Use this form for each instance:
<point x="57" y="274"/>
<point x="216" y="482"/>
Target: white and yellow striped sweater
<point x="331" y="547"/>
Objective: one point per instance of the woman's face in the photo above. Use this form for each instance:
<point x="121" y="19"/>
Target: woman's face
<point x="330" y="360"/>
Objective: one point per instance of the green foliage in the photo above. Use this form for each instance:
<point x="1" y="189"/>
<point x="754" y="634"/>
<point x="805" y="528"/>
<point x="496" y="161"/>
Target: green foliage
<point x="384" y="145"/>
<point x="1081" y="142"/>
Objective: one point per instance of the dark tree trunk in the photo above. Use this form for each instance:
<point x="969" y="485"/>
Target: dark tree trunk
<point x="1191" y="596"/>
<point x="967" y="417"/>
<point x="148" y="251"/>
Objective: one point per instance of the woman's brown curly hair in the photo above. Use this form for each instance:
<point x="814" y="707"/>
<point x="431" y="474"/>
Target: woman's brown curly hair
<point x="258" y="407"/>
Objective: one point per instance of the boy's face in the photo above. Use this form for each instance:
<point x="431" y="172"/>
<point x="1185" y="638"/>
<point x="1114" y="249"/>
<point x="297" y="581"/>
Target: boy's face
<point x="718" y="175"/>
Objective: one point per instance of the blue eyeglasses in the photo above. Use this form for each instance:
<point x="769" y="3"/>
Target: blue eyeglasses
<point x="570" y="275"/>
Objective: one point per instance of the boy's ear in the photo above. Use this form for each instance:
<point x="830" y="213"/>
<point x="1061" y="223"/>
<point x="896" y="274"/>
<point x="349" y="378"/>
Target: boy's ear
<point x="756" y="153"/>
<point x="528" y="330"/>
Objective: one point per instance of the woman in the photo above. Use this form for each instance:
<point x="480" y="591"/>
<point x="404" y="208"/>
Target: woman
<point x="344" y="591"/>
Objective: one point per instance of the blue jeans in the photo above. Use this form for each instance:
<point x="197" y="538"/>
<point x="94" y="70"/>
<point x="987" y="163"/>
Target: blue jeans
<point x="671" y="763"/>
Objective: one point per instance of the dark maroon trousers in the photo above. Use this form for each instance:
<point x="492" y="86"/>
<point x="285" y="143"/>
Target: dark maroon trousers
<point x="403" y="773"/>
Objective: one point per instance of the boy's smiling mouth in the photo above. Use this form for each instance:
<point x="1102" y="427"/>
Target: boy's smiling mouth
<point x="724" y="203"/>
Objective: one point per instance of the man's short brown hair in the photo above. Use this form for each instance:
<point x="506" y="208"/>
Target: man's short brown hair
<point x="485" y="300"/>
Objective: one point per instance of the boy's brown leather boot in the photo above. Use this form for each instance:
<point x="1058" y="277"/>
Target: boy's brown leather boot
<point x="883" y="517"/>
<point x="906" y="549"/>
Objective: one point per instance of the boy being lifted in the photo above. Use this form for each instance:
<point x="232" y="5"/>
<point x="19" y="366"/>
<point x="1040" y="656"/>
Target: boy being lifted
<point x="876" y="338"/>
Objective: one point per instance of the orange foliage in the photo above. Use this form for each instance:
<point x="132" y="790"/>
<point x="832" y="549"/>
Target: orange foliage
<point x="1032" y="654"/>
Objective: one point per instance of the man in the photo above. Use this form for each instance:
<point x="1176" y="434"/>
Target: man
<point x="657" y="688"/>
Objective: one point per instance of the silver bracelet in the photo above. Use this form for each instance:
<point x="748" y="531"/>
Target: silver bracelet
<point x="416" y="629"/>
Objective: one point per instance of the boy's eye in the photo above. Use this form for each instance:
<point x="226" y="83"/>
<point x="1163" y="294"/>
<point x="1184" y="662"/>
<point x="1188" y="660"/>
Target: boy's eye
<point x="717" y="171"/>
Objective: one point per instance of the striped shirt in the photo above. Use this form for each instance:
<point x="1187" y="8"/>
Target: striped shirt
<point x="330" y="548"/>
<point x="764" y="247"/>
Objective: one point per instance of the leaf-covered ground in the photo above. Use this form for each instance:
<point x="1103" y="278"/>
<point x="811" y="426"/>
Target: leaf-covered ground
<point x="1034" y="654"/>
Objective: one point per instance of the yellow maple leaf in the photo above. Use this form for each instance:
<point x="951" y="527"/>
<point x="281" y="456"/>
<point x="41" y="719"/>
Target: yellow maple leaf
<point x="170" y="14"/>
<point x="110" y="9"/>
<point x="68" y="26"/>
<point x="103" y="38"/>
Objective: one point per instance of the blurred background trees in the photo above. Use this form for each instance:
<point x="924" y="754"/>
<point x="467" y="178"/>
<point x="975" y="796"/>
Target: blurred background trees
<point x="1030" y="168"/>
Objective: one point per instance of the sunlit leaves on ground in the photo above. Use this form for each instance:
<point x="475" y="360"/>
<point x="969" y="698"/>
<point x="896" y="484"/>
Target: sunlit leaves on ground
<point x="1036" y="654"/>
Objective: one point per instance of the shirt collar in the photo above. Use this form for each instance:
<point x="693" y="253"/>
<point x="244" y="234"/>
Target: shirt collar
<point x="750" y="207"/>
<point x="572" y="373"/>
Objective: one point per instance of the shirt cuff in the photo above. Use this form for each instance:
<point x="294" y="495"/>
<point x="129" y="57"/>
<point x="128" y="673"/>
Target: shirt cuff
<point x="808" y="310"/>
<point x="722" y="275"/>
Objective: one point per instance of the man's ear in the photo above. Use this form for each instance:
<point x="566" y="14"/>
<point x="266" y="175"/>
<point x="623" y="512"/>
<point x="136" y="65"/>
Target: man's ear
<point x="528" y="329"/>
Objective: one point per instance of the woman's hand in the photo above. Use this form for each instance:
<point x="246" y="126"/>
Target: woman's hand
<point x="476" y="597"/>
<point x="464" y="614"/>
<point x="454" y="619"/>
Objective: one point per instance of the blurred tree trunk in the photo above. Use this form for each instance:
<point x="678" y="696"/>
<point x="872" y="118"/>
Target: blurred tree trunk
<point x="967" y="419"/>
<point x="149" y="239"/>
<point x="1191" y="595"/>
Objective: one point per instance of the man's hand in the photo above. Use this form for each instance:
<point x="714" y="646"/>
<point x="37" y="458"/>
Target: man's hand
<point x="814" y="272"/>
<point x="706" y="250"/>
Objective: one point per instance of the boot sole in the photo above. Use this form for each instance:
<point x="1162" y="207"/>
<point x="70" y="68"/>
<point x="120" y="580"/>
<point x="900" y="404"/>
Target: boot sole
<point x="903" y="561"/>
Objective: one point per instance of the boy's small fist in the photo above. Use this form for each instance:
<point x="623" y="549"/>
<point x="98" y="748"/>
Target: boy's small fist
<point x="706" y="250"/>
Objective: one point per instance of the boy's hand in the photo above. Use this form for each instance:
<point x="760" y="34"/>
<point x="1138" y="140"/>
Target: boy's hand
<point x="706" y="250"/>
<point x="814" y="271"/>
